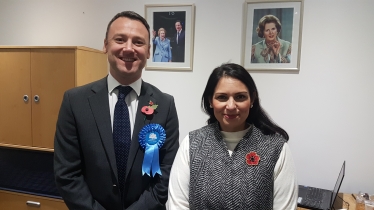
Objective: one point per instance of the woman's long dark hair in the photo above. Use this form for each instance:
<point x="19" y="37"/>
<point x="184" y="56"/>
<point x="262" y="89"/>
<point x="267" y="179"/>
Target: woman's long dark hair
<point x="257" y="115"/>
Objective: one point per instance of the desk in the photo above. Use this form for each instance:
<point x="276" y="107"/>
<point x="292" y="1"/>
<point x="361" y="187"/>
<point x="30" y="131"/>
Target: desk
<point x="347" y="197"/>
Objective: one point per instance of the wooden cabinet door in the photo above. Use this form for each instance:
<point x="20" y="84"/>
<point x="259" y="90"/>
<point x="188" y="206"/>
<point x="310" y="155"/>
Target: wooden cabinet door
<point x="18" y="201"/>
<point x="15" y="113"/>
<point x="52" y="73"/>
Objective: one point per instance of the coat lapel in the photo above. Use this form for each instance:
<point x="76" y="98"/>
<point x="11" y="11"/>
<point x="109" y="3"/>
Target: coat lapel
<point x="99" y="103"/>
<point x="140" y="122"/>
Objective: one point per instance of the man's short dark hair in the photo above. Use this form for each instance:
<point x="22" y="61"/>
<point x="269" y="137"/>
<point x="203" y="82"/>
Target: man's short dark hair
<point x="180" y="22"/>
<point x="131" y="15"/>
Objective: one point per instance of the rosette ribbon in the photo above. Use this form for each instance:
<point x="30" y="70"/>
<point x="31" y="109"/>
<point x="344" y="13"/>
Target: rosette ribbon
<point x="151" y="139"/>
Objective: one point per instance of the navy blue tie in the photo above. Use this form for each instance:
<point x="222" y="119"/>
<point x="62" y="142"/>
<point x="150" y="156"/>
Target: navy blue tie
<point x="121" y="134"/>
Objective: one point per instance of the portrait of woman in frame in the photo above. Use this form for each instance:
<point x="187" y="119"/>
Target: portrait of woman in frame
<point x="272" y="35"/>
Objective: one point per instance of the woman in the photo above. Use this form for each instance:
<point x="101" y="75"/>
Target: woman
<point x="241" y="159"/>
<point x="163" y="50"/>
<point x="272" y="49"/>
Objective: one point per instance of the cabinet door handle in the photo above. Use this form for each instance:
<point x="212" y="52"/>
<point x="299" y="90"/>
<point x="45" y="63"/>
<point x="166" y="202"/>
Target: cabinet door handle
<point x="25" y="98"/>
<point x="33" y="203"/>
<point x="36" y="98"/>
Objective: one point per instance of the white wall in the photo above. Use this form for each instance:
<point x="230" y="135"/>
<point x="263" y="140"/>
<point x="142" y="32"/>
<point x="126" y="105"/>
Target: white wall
<point x="327" y="108"/>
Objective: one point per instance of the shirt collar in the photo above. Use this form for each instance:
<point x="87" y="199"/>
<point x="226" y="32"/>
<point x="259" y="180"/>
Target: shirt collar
<point x="113" y="83"/>
<point x="234" y="136"/>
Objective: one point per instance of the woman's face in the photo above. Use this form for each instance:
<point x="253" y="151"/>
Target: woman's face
<point x="231" y="104"/>
<point x="270" y="32"/>
<point x="162" y="34"/>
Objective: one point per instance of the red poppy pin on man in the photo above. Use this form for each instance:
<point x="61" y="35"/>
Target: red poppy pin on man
<point x="252" y="158"/>
<point x="148" y="110"/>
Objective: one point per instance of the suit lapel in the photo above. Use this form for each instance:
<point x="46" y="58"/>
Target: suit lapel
<point x="99" y="103"/>
<point x="140" y="122"/>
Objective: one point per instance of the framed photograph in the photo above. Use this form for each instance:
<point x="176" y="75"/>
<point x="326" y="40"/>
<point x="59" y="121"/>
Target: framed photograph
<point x="172" y="35"/>
<point x="272" y="34"/>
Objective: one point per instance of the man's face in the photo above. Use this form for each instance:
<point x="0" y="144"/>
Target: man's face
<point x="178" y="26"/>
<point x="128" y="49"/>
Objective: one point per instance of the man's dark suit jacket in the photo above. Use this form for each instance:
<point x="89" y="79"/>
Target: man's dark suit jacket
<point x="178" y="49"/>
<point x="85" y="163"/>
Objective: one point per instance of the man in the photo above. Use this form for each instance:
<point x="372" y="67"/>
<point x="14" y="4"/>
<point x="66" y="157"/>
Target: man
<point x="179" y="43"/>
<point x="87" y="160"/>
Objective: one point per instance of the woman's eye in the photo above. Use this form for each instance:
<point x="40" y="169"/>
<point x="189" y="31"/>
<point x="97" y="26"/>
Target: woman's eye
<point x="241" y="97"/>
<point x="221" y="97"/>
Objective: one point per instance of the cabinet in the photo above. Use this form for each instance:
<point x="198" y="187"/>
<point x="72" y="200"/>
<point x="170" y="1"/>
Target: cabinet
<point x="17" y="201"/>
<point x="32" y="83"/>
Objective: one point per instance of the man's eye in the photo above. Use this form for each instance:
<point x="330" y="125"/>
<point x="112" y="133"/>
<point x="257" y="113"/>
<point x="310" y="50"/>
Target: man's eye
<point x="119" y="40"/>
<point x="139" y="43"/>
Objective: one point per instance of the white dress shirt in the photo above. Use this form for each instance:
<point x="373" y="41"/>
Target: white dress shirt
<point x="131" y="99"/>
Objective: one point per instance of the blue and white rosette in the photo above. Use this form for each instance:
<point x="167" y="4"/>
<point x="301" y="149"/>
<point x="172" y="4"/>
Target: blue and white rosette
<point x="151" y="139"/>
